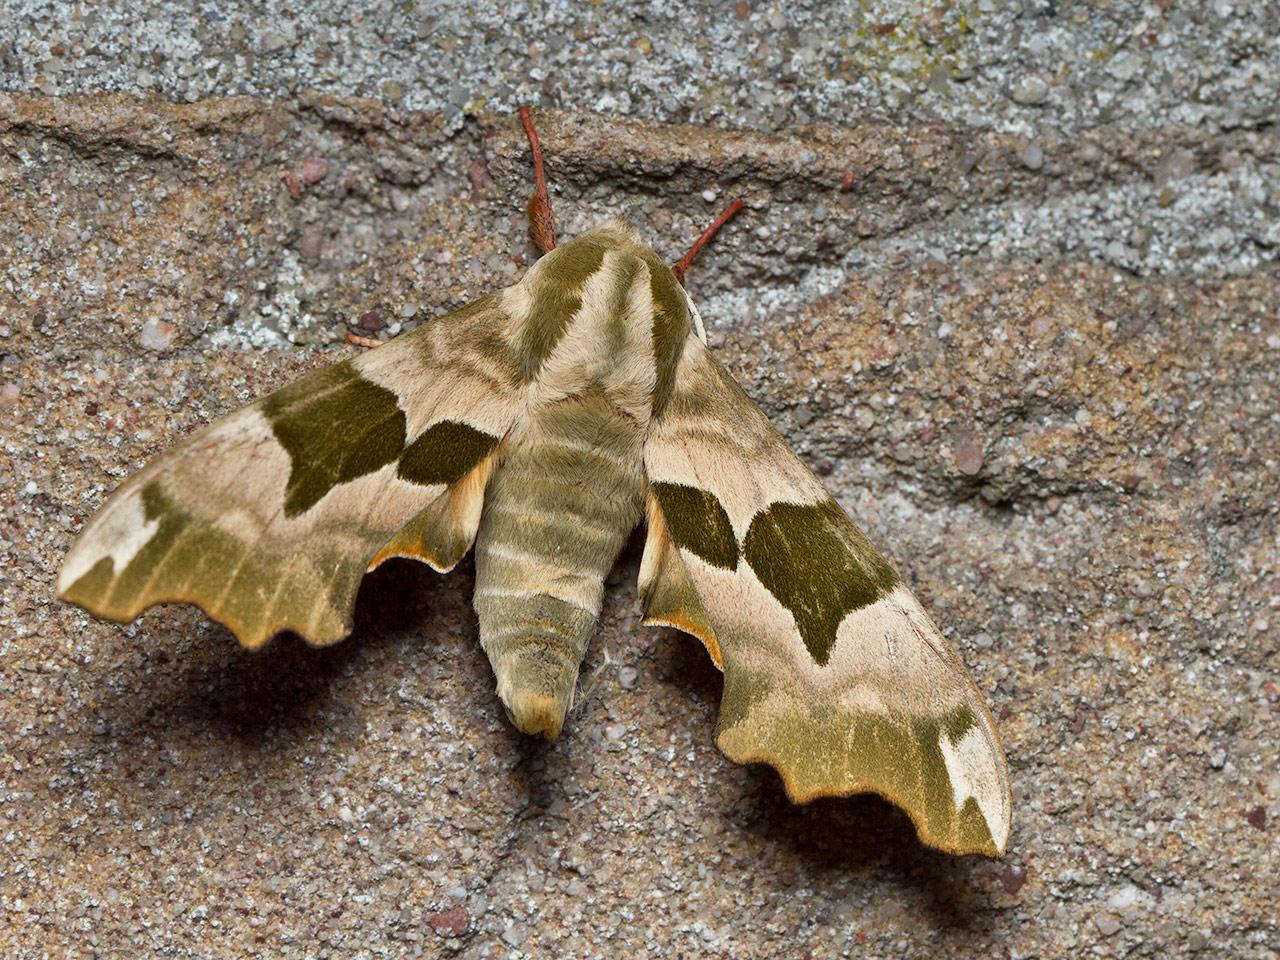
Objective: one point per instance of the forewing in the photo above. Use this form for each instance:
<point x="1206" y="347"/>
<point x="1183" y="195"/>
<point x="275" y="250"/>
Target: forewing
<point x="834" y="675"/>
<point x="268" y="518"/>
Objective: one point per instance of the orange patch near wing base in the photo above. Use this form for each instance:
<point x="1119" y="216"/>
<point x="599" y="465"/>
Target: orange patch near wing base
<point x="667" y="592"/>
<point x="441" y="535"/>
<point x="690" y="626"/>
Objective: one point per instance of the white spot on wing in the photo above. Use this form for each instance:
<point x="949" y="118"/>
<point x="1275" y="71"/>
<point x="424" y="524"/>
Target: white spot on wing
<point x="973" y="772"/>
<point x="123" y="532"/>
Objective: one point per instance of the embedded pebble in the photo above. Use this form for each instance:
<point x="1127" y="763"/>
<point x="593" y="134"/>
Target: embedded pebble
<point x="314" y="170"/>
<point x="311" y="244"/>
<point x="969" y="453"/>
<point x="1030" y="91"/>
<point x="449" y="923"/>
<point x="515" y="935"/>
<point x="1108" y="924"/>
<point x="157" y="335"/>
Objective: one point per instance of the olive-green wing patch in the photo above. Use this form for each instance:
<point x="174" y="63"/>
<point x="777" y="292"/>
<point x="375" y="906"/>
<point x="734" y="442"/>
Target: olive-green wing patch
<point x="268" y="518"/>
<point x="698" y="523"/>
<point x="834" y="675"/>
<point x="336" y="426"/>
<point x="818" y="566"/>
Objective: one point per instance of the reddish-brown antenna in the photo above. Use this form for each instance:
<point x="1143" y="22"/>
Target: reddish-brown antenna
<point x="541" y="226"/>
<point x="703" y="240"/>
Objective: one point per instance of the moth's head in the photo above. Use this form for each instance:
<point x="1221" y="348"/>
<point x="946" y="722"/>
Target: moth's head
<point x="614" y="251"/>
<point x="620" y="236"/>
<point x="615" y="234"/>
<point x="564" y="269"/>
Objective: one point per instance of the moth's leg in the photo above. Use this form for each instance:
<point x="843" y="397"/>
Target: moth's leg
<point x="541" y="225"/>
<point x="703" y="240"/>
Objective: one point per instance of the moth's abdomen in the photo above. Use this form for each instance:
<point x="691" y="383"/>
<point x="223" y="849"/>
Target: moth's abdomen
<point x="556" y="515"/>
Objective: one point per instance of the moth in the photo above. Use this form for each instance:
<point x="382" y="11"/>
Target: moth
<point x="542" y="424"/>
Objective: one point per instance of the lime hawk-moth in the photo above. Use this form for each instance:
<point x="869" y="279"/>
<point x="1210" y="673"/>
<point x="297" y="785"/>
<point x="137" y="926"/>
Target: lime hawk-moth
<point x="542" y="423"/>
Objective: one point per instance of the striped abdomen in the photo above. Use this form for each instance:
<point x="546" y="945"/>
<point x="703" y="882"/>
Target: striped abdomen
<point x="556" y="515"/>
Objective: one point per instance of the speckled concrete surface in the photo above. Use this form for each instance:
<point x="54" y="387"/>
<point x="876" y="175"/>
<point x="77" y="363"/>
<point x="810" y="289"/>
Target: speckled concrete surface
<point x="1062" y="427"/>
<point x="758" y="65"/>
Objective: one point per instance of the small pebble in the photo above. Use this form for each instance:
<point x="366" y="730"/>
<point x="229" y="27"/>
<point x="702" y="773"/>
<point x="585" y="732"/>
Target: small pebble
<point x="1125" y="897"/>
<point x="709" y="196"/>
<point x="515" y="935"/>
<point x="157" y="335"/>
<point x="314" y="170"/>
<point x="1013" y="879"/>
<point x="449" y="923"/>
<point x="1125" y="66"/>
<point x="273" y="42"/>
<point x="481" y="180"/>
<point x="1107" y="924"/>
<point x="627" y="677"/>
<point x="969" y="453"/>
<point x="311" y="244"/>
<point x="1032" y="157"/>
<point x="9" y="394"/>
<point x="1030" y="91"/>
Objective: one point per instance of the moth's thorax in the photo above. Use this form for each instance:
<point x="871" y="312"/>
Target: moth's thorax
<point x="600" y="312"/>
